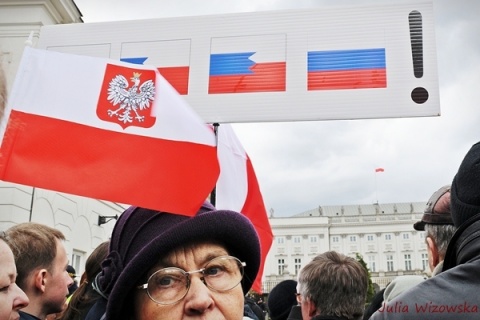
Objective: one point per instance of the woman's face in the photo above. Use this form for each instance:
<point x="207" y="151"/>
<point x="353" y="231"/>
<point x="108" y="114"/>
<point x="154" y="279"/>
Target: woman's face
<point x="200" y="301"/>
<point x="12" y="298"/>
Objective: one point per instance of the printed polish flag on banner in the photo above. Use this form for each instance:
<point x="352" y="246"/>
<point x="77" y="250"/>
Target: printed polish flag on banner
<point x="171" y="57"/>
<point x="103" y="129"/>
<point x="379" y="170"/>
<point x="237" y="189"/>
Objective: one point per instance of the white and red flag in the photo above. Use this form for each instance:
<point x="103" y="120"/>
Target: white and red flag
<point x="108" y="130"/>
<point x="237" y="189"/>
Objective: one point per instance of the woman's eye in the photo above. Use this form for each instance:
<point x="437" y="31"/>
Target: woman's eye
<point x="213" y="271"/>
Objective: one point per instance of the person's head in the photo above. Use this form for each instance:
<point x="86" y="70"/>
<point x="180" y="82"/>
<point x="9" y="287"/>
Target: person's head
<point x="281" y="299"/>
<point x="438" y="225"/>
<point x="465" y="195"/>
<point x="41" y="261"/>
<point x="170" y="266"/>
<point x="73" y="274"/>
<point x="12" y="298"/>
<point x="333" y="284"/>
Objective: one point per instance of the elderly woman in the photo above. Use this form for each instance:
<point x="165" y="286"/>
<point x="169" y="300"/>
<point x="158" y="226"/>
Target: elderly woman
<point x="167" y="266"/>
<point x="12" y="298"/>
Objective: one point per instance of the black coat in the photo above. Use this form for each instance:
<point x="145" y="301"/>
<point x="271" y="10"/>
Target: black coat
<point x="452" y="294"/>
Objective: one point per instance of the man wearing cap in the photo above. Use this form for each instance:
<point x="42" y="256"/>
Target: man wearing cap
<point x="453" y="293"/>
<point x="438" y="226"/>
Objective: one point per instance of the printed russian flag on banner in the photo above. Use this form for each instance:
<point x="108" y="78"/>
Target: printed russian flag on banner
<point x="99" y="128"/>
<point x="247" y="64"/>
<point x="172" y="59"/>
<point x="347" y="69"/>
<point x="237" y="189"/>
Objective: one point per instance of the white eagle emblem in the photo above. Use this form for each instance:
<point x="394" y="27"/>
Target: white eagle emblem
<point x="132" y="100"/>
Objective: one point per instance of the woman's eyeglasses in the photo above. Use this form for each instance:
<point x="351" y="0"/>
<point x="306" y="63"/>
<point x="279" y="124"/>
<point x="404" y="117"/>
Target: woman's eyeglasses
<point x="170" y="285"/>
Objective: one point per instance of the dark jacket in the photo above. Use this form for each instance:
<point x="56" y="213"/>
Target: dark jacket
<point x="452" y="294"/>
<point x="27" y="316"/>
<point x="328" y="318"/>
<point x="295" y="313"/>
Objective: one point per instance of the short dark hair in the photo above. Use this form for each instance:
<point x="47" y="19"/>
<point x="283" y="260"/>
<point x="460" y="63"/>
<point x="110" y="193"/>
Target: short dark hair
<point x="336" y="284"/>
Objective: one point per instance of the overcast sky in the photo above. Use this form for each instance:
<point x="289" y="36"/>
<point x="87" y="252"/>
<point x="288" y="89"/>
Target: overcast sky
<point x="302" y="165"/>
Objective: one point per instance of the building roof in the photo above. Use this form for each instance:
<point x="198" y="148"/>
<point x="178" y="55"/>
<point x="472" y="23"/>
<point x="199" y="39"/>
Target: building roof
<point x="364" y="209"/>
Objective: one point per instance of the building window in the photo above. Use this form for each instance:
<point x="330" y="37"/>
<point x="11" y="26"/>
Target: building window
<point x="421" y="235"/>
<point x="408" y="262"/>
<point x="406" y="236"/>
<point x="77" y="257"/>
<point x="389" y="262"/>
<point x="313" y="239"/>
<point x="425" y="261"/>
<point x="353" y="238"/>
<point x="388" y="236"/>
<point x="296" y="239"/>
<point x="335" y="239"/>
<point x="371" y="264"/>
<point x="280" y="240"/>
<point x="298" y="265"/>
<point x="281" y="266"/>
<point x="370" y="237"/>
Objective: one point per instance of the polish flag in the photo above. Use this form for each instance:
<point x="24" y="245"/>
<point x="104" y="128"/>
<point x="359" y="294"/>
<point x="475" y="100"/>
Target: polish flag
<point x="237" y="189"/>
<point x="103" y="129"/>
<point x="379" y="170"/>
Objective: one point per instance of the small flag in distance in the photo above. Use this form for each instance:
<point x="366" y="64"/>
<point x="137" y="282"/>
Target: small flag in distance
<point x="379" y="170"/>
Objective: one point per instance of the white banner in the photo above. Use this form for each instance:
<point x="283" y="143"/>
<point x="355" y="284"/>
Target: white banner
<point x="329" y="63"/>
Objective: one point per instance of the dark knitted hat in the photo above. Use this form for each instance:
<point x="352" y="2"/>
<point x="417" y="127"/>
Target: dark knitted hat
<point x="465" y="192"/>
<point x="281" y="299"/>
<point x="141" y="237"/>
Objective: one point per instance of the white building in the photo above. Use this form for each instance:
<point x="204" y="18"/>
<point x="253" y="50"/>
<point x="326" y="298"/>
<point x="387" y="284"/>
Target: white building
<point x="77" y="217"/>
<point x="382" y="234"/>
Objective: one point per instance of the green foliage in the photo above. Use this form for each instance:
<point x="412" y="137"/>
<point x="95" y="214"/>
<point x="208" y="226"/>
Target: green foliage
<point x="371" y="289"/>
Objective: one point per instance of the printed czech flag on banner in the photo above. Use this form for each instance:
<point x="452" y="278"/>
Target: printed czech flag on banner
<point x="238" y="190"/>
<point x="108" y="130"/>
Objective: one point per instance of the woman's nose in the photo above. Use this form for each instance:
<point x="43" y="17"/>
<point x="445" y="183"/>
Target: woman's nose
<point x="199" y="298"/>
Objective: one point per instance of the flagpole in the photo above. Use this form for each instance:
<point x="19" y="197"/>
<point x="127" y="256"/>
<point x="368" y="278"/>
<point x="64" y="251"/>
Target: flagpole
<point x="376" y="194"/>
<point x="213" y="194"/>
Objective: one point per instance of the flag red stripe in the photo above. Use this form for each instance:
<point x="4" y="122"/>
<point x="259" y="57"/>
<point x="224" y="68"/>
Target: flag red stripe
<point x="254" y="209"/>
<point x="267" y="77"/>
<point x="351" y="79"/>
<point x="177" y="77"/>
<point x="108" y="165"/>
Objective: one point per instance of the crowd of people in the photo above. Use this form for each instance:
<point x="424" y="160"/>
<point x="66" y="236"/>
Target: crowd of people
<point x="159" y="265"/>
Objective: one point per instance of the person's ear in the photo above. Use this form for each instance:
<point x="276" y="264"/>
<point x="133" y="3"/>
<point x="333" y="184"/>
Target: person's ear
<point x="41" y="279"/>
<point x="433" y="256"/>
<point x="311" y="308"/>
